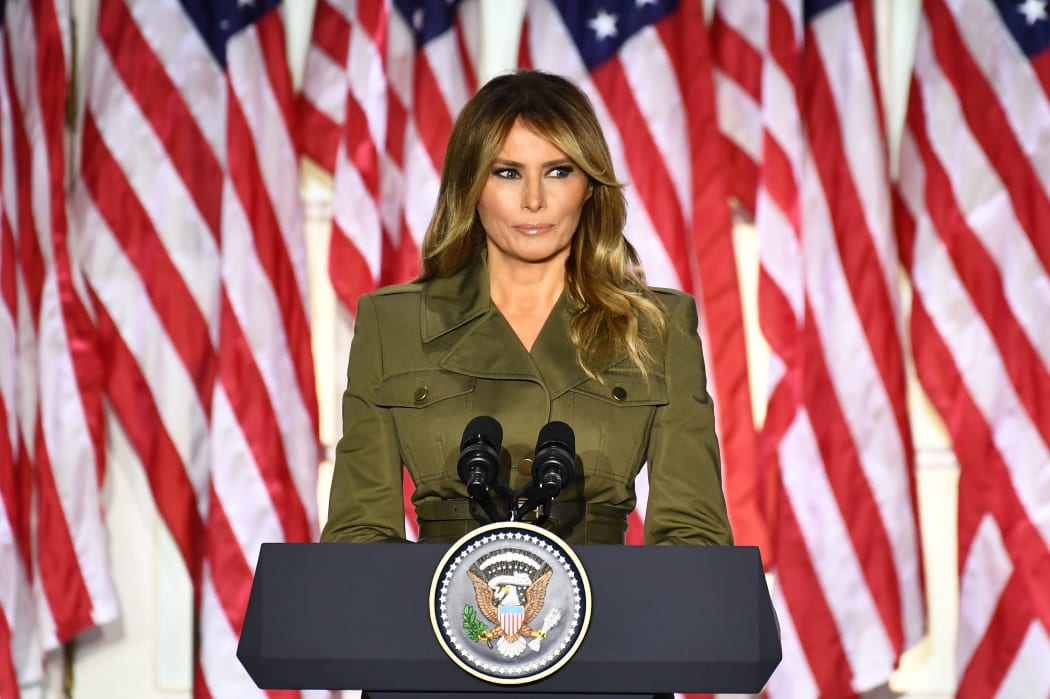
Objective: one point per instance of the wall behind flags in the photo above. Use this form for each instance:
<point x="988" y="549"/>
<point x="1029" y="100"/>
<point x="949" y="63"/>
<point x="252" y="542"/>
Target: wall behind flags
<point x="147" y="653"/>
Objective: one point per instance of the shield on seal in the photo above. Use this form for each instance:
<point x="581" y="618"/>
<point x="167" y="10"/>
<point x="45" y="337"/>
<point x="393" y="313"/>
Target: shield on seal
<point x="510" y="618"/>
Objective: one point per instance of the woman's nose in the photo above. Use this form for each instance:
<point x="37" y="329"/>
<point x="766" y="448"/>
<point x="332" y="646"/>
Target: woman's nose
<point x="533" y="196"/>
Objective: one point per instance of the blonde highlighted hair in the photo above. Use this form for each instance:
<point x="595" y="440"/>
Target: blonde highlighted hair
<point x="613" y="308"/>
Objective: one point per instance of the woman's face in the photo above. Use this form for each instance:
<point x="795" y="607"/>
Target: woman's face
<point x="532" y="200"/>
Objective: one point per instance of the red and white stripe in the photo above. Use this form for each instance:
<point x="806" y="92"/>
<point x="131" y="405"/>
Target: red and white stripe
<point x="510" y="621"/>
<point x="148" y="207"/>
<point x="50" y="390"/>
<point x="376" y="114"/>
<point x="189" y="208"/>
<point x="653" y="97"/>
<point x="343" y="127"/>
<point x="848" y="580"/>
<point x="20" y="649"/>
<point x="264" y="411"/>
<point x="425" y="101"/>
<point x="738" y="46"/>
<point x="975" y="235"/>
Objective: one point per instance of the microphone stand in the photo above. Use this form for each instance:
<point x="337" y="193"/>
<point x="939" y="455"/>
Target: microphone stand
<point x="480" y="494"/>
<point x="534" y="495"/>
<point x="478" y="491"/>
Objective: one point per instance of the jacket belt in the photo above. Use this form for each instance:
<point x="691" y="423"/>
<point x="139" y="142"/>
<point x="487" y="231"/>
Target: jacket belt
<point x="447" y="520"/>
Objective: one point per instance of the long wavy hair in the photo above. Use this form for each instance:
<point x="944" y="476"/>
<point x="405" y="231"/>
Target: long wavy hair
<point x="613" y="308"/>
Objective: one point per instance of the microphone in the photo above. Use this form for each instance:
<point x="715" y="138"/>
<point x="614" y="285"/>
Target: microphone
<point x="553" y="468"/>
<point x="554" y="463"/>
<point x="478" y="465"/>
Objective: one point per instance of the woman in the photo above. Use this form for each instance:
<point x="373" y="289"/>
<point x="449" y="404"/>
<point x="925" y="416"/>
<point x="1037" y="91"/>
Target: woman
<point x="531" y="307"/>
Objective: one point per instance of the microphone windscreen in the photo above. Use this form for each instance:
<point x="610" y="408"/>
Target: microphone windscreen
<point x="557" y="432"/>
<point x="485" y="428"/>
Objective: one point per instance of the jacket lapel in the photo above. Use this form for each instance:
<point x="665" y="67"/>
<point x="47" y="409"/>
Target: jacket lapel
<point x="487" y="346"/>
<point x="554" y="353"/>
<point x="450" y="302"/>
<point x="459" y="309"/>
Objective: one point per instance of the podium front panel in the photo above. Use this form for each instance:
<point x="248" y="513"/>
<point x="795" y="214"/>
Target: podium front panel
<point x="664" y="619"/>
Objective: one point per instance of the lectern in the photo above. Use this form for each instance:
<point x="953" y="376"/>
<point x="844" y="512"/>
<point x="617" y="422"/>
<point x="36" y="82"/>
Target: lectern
<point x="356" y="616"/>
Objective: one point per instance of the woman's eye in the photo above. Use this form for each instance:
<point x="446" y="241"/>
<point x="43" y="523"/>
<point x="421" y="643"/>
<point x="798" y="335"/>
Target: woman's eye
<point x="506" y="173"/>
<point x="563" y="171"/>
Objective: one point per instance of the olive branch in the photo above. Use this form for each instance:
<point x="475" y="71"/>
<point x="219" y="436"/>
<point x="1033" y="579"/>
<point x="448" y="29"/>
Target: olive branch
<point x="474" y="626"/>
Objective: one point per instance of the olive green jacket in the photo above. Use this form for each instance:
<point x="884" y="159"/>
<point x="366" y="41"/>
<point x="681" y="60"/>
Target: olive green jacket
<point x="427" y="358"/>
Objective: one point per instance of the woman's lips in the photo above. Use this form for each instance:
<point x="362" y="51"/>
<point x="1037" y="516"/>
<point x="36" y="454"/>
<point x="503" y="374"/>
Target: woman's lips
<point x="533" y="228"/>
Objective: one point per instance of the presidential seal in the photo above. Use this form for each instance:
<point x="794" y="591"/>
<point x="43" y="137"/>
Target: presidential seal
<point x="510" y="603"/>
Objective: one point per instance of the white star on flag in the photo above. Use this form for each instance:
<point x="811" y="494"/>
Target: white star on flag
<point x="603" y="24"/>
<point x="1033" y="11"/>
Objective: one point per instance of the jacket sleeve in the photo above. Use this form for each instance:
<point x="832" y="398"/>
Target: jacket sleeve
<point x="686" y="504"/>
<point x="365" y="503"/>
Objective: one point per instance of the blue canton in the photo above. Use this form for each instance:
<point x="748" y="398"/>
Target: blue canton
<point x="812" y="8"/>
<point x="218" y="20"/>
<point x="1032" y="38"/>
<point x="428" y="19"/>
<point x="601" y="27"/>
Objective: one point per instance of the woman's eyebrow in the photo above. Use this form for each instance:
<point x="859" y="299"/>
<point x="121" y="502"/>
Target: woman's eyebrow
<point x="549" y="163"/>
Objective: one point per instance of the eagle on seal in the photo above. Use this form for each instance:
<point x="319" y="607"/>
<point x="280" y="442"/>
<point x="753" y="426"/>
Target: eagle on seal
<point x="510" y="630"/>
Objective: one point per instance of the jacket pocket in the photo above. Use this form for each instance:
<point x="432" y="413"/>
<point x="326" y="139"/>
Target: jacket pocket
<point x="612" y="420"/>
<point x="428" y="407"/>
<point x="420" y="389"/>
<point x="626" y="389"/>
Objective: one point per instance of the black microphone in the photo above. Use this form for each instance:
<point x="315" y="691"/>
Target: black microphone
<point x="554" y="462"/>
<point x="553" y="468"/>
<point x="478" y="465"/>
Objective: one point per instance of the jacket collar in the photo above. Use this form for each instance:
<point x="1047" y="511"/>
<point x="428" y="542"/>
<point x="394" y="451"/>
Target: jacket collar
<point x="449" y="302"/>
<point x="488" y="346"/>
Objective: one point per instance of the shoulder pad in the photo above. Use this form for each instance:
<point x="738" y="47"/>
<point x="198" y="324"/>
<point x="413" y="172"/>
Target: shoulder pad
<point x="409" y="288"/>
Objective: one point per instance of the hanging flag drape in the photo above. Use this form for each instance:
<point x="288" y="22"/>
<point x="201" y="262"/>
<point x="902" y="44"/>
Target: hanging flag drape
<point x="647" y="70"/>
<point x="738" y="45"/>
<point x="383" y="84"/>
<point x="189" y="210"/>
<point x="975" y="237"/>
<point x="52" y="442"/>
<point x="848" y="578"/>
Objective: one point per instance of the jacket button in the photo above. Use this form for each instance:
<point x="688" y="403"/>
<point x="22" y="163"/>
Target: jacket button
<point x="525" y="467"/>
<point x="421" y="394"/>
<point x="620" y="393"/>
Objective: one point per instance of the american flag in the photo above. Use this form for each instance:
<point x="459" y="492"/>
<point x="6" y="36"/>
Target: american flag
<point x="647" y="70"/>
<point x="52" y="442"/>
<point x="975" y="236"/>
<point x="20" y="649"/>
<point x="848" y="579"/>
<point x="188" y="208"/>
<point x="383" y="84"/>
<point x="738" y="45"/>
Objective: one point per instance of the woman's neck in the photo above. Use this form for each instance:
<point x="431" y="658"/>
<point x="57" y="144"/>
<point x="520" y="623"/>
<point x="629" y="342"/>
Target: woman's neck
<point x="525" y="295"/>
<point x="524" y="287"/>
